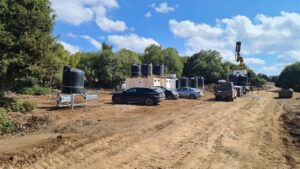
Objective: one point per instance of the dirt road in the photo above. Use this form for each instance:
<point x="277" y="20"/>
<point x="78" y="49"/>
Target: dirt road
<point x="180" y="133"/>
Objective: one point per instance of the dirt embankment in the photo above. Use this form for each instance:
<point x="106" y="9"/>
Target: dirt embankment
<point x="203" y="133"/>
<point x="291" y="124"/>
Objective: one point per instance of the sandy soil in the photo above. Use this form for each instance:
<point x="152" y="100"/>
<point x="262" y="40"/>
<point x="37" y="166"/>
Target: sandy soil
<point x="203" y="133"/>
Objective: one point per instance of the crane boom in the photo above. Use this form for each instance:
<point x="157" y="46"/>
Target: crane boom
<point x="238" y="56"/>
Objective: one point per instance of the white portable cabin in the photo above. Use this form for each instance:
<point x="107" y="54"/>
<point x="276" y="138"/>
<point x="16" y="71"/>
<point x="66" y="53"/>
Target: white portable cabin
<point x="142" y="82"/>
<point x="150" y="81"/>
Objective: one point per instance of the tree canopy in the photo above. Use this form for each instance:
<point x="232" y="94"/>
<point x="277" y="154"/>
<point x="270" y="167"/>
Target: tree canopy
<point x="290" y="77"/>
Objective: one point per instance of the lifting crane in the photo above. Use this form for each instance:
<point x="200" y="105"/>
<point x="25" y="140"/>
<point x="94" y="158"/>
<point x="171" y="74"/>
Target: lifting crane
<point x="238" y="57"/>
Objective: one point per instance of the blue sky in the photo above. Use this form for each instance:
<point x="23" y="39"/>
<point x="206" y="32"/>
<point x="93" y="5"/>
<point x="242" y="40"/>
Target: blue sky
<point x="268" y="29"/>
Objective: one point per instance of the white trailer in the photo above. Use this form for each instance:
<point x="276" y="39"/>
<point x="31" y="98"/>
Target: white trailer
<point x="150" y="81"/>
<point x="142" y="82"/>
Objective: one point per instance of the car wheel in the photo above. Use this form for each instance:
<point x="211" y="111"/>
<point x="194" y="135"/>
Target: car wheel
<point x="169" y="97"/>
<point x="117" y="100"/>
<point x="149" y="101"/>
<point x="192" y="96"/>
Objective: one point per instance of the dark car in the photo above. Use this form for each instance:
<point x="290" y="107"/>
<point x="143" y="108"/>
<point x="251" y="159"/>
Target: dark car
<point x="147" y="96"/>
<point x="169" y="93"/>
<point x="225" y="90"/>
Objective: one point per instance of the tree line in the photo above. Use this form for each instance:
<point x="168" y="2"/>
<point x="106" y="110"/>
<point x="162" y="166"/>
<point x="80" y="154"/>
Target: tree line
<point x="30" y="55"/>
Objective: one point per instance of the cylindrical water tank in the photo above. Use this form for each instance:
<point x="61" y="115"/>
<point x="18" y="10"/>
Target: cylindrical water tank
<point x="200" y="81"/>
<point x="193" y="82"/>
<point x="147" y="70"/>
<point x="135" y="70"/>
<point x="158" y="70"/>
<point x="183" y="82"/>
<point x="73" y="81"/>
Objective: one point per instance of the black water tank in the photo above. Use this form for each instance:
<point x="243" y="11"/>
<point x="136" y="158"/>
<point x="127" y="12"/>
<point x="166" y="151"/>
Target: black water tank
<point x="158" y="70"/>
<point x="183" y="82"/>
<point x="147" y="70"/>
<point x="73" y="81"/>
<point x="193" y="82"/>
<point x="135" y="70"/>
<point x="200" y="81"/>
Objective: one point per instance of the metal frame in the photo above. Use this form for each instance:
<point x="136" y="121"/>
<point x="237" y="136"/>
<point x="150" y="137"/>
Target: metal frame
<point x="68" y="100"/>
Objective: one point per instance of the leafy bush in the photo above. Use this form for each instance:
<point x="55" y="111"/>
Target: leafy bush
<point x="17" y="105"/>
<point x="290" y="77"/>
<point x="6" y="125"/>
<point x="22" y="106"/>
<point x="35" y="90"/>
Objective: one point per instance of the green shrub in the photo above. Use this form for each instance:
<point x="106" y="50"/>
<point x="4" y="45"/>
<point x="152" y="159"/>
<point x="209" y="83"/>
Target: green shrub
<point x="290" y="77"/>
<point x="22" y="106"/>
<point x="29" y="105"/>
<point x="15" y="105"/>
<point x="35" y="90"/>
<point x="6" y="125"/>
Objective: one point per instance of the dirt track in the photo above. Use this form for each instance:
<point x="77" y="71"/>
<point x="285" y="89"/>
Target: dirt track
<point x="183" y="133"/>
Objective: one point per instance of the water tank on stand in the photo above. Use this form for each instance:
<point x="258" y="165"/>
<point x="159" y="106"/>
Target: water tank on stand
<point x="183" y="82"/>
<point x="135" y="70"/>
<point x="73" y="81"/>
<point x="158" y="70"/>
<point x="193" y="83"/>
<point x="147" y="70"/>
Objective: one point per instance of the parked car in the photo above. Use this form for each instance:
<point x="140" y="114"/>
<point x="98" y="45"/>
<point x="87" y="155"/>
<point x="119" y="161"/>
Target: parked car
<point x="225" y="90"/>
<point x="147" y="96"/>
<point x="169" y="93"/>
<point x="191" y="93"/>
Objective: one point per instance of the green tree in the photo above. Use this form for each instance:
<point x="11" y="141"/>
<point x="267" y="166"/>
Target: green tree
<point x="172" y="61"/>
<point x="86" y="64"/>
<point x="290" y="77"/>
<point x="127" y="58"/>
<point x="107" y="67"/>
<point x="205" y="63"/>
<point x="153" y="54"/>
<point x="25" y="37"/>
<point x="75" y="59"/>
<point x="263" y="76"/>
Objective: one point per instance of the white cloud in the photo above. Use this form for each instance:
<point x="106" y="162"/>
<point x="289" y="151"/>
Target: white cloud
<point x="76" y="12"/>
<point x="131" y="41"/>
<point x="71" y="35"/>
<point x="273" y="69"/>
<point x="72" y="49"/>
<point x="163" y="8"/>
<point x="255" y="61"/>
<point x="148" y="14"/>
<point x="92" y="41"/>
<point x="277" y="35"/>
<point x="110" y="25"/>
